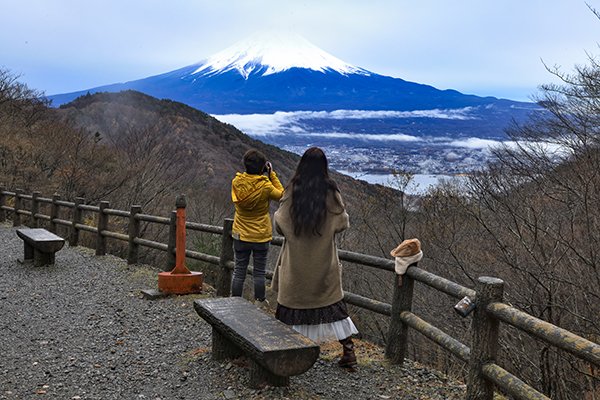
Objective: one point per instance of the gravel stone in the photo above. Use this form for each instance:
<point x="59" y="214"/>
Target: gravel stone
<point x="82" y="330"/>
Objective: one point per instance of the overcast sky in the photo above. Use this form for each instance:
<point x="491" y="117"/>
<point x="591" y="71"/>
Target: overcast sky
<point x="482" y="47"/>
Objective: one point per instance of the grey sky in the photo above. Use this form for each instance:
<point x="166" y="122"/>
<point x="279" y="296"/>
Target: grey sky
<point x="476" y="46"/>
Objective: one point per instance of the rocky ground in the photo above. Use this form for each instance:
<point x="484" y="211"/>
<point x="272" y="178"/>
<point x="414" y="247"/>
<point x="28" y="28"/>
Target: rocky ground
<point x="81" y="330"/>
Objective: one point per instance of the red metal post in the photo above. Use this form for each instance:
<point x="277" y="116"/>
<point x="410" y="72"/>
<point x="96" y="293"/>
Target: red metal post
<point x="180" y="280"/>
<point x="180" y="267"/>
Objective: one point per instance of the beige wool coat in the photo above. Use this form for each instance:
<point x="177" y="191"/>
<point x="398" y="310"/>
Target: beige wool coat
<point x="308" y="272"/>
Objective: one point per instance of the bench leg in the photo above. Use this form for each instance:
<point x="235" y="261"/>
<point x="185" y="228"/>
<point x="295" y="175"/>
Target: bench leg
<point x="41" y="259"/>
<point x="259" y="376"/>
<point x="222" y="348"/>
<point x="28" y="252"/>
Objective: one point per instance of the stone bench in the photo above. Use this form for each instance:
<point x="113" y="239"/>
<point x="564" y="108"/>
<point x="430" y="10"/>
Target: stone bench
<point x="275" y="350"/>
<point x="40" y="246"/>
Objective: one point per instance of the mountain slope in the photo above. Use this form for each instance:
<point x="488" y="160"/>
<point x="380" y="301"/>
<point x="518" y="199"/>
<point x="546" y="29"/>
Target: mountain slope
<point x="209" y="150"/>
<point x="264" y="74"/>
<point x="207" y="146"/>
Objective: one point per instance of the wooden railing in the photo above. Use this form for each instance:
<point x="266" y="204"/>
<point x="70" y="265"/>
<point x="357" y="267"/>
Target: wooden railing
<point x="483" y="372"/>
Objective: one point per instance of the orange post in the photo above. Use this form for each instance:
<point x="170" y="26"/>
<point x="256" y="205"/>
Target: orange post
<point x="180" y="280"/>
<point x="180" y="267"/>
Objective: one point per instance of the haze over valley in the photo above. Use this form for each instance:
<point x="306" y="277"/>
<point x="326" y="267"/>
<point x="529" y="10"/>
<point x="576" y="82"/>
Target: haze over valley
<point x="432" y="142"/>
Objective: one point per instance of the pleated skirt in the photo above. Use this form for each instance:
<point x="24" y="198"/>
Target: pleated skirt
<point x="325" y="324"/>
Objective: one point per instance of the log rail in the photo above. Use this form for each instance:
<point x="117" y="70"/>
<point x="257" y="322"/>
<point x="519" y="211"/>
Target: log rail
<point x="484" y="375"/>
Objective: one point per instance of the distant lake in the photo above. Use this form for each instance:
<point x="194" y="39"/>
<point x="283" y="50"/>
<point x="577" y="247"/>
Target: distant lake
<point x="419" y="185"/>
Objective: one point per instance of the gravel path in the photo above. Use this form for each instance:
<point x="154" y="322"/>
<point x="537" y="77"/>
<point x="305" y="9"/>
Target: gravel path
<point x="81" y="330"/>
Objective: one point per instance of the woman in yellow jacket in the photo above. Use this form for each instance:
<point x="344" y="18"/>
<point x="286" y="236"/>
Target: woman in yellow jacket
<point x="251" y="193"/>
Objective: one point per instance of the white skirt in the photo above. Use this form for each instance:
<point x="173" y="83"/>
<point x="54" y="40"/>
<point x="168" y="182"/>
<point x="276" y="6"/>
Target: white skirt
<point x="328" y="332"/>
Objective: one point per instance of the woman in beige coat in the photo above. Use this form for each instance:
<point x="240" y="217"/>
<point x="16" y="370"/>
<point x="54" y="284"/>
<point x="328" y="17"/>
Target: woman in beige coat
<point x="307" y="277"/>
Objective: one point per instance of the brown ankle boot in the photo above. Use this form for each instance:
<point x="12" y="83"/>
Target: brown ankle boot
<point x="348" y="359"/>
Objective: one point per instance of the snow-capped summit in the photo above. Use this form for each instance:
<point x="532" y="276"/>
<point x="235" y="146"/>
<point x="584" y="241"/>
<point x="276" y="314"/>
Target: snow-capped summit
<point x="275" y="71"/>
<point x="267" y="53"/>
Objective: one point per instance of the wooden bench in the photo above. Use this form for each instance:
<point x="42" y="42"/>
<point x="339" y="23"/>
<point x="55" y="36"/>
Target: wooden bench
<point x="40" y="246"/>
<point x="275" y="350"/>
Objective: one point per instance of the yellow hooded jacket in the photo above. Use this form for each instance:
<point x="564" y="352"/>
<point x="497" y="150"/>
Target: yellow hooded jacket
<point x="251" y="195"/>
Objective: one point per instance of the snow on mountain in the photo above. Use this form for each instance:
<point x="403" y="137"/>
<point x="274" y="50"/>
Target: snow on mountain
<point x="267" y="53"/>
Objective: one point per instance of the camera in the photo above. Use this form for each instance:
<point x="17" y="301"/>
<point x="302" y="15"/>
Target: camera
<point x="267" y="167"/>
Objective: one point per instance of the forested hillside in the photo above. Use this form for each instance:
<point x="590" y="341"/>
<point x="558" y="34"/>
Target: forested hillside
<point x="132" y="148"/>
<point x="164" y="147"/>
<point x="532" y="218"/>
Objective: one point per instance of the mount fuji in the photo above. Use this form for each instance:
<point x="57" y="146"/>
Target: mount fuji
<point x="270" y="72"/>
<point x="290" y="93"/>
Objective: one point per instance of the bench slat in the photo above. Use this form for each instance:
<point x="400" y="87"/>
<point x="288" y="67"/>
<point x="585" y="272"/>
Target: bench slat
<point x="271" y="343"/>
<point x="41" y="239"/>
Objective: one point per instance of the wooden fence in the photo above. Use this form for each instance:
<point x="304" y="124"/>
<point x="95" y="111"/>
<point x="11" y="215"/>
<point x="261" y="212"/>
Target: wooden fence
<point x="483" y="372"/>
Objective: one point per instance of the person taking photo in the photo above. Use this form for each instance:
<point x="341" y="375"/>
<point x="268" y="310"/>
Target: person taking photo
<point x="251" y="193"/>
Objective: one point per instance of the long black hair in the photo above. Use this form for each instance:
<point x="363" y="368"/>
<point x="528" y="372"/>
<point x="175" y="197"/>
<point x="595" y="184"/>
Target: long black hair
<point x="310" y="185"/>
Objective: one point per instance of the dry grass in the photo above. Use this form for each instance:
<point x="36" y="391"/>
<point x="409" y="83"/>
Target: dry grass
<point x="366" y="353"/>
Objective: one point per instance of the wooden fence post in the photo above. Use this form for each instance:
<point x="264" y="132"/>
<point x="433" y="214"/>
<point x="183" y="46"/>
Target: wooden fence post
<point x="35" y="209"/>
<point x="484" y="342"/>
<point x="102" y="226"/>
<point x="396" y="345"/>
<point x="134" y="232"/>
<point x="171" y="245"/>
<point x="17" y="216"/>
<point x="223" y="284"/>
<point x="2" y="204"/>
<point x="74" y="239"/>
<point x="54" y="212"/>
